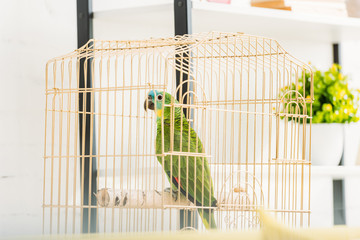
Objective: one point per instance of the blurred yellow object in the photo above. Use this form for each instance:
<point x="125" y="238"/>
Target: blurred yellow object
<point x="271" y="229"/>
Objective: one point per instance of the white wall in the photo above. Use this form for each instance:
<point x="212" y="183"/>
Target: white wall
<point x="31" y="32"/>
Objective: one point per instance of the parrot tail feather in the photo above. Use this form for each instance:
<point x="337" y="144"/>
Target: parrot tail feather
<point x="208" y="219"/>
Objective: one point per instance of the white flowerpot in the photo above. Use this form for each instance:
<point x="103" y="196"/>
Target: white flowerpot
<point x="327" y="140"/>
<point x="351" y="144"/>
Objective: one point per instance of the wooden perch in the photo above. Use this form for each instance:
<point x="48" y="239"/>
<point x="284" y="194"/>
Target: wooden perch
<point x="107" y="197"/>
<point x="139" y="199"/>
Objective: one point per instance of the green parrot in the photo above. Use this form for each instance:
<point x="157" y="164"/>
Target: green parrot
<point x="201" y="191"/>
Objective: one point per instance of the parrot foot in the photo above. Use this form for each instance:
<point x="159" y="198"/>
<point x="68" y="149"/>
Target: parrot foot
<point x="174" y="193"/>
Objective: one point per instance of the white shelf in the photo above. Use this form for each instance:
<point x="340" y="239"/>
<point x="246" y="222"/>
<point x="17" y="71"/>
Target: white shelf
<point x="134" y="20"/>
<point x="118" y="13"/>
<point x="278" y="24"/>
<point x="109" y="5"/>
<point x="335" y="172"/>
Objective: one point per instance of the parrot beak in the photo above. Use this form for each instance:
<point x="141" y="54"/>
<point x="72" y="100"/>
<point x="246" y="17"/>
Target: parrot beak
<point x="148" y="104"/>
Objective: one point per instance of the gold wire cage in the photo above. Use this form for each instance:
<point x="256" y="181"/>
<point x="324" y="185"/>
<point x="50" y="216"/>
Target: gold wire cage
<point x="239" y="93"/>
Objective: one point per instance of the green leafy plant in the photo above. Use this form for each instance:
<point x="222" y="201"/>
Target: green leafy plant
<point x="333" y="102"/>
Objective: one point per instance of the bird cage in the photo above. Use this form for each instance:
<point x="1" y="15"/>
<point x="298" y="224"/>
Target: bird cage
<point x="224" y="117"/>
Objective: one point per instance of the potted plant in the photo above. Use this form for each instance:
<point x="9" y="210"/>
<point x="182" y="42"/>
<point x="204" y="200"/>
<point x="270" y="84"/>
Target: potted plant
<point x="334" y="105"/>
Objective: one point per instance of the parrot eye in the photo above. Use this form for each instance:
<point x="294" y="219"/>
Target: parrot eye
<point x="160" y="97"/>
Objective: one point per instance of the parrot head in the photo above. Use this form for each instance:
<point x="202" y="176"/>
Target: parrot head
<point x="156" y="99"/>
